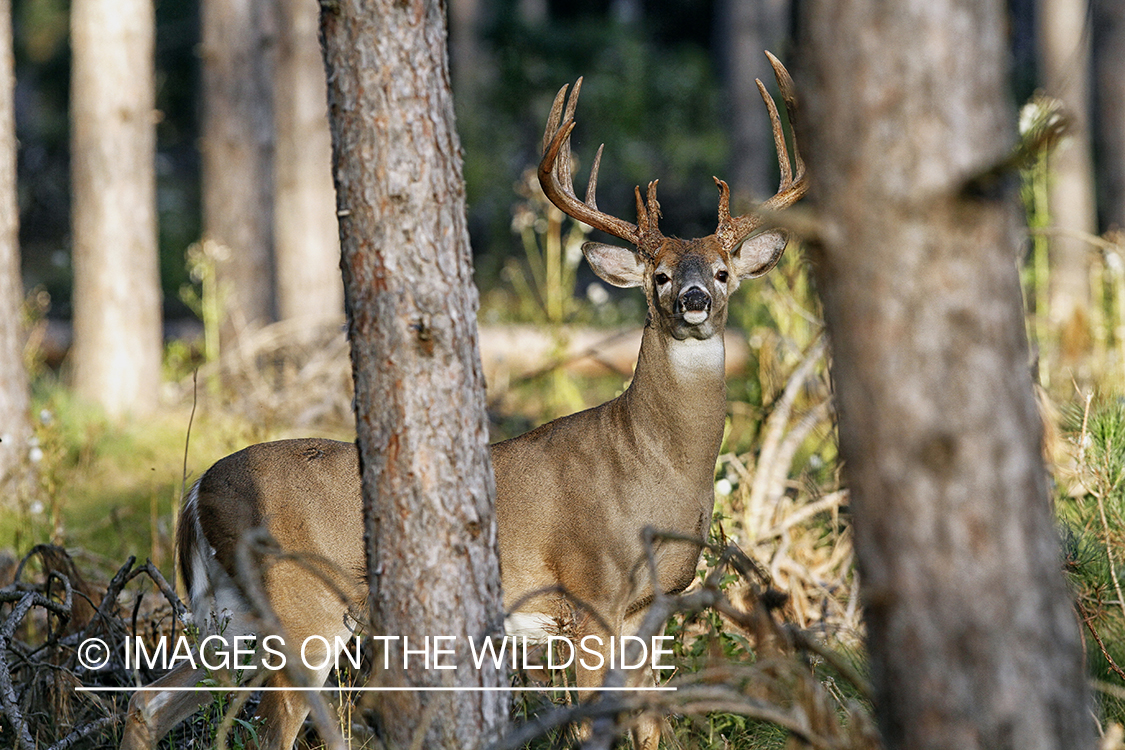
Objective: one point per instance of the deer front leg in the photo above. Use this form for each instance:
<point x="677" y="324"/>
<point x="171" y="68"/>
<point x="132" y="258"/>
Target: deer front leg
<point x="152" y="714"/>
<point x="647" y="730"/>
<point x="594" y="662"/>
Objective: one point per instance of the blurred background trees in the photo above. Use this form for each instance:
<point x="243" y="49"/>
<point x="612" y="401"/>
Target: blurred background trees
<point x="118" y="341"/>
<point x="14" y="391"/>
<point x="241" y="145"/>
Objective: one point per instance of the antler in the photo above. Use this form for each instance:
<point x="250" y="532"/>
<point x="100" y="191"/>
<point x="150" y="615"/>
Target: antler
<point x="794" y="179"/>
<point x="555" y="178"/>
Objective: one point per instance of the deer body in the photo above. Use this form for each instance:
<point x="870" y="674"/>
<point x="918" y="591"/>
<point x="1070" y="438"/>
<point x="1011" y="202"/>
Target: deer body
<point x="572" y="497"/>
<point x="574" y="494"/>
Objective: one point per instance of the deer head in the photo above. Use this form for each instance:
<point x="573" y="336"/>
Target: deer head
<point x="687" y="282"/>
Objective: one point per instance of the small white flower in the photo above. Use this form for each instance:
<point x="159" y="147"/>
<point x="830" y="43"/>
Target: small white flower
<point x="36" y="508"/>
<point x="1113" y="262"/>
<point x="35" y="455"/>
<point x="723" y="487"/>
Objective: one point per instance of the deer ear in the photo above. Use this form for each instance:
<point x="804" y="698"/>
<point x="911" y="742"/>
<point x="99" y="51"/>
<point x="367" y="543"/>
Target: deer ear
<point x="757" y="255"/>
<point x="615" y="265"/>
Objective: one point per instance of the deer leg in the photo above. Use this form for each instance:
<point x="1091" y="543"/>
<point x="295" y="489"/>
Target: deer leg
<point x="647" y="729"/>
<point x="151" y="715"/>
<point x="283" y="714"/>
<point x="317" y="613"/>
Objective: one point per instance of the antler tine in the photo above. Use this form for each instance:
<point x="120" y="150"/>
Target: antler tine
<point x="592" y="185"/>
<point x="794" y="180"/>
<point x="555" y="173"/>
<point x="554" y="118"/>
<point x="789" y="94"/>
<point x="791" y="189"/>
<point x="778" y="134"/>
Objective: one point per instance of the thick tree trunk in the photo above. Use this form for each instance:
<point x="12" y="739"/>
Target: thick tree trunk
<point x="306" y="237"/>
<point x="1064" y="46"/>
<point x="973" y="640"/>
<point x="237" y="157"/>
<point x="1109" y="99"/>
<point x="117" y="300"/>
<point x="423" y="435"/>
<point x="14" y="397"/>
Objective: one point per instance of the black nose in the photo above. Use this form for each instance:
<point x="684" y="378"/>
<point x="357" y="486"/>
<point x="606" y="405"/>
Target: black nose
<point x="694" y="300"/>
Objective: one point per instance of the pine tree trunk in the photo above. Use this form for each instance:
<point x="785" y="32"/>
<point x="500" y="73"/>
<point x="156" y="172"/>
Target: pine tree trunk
<point x="306" y="235"/>
<point x="744" y="29"/>
<point x="14" y="397"/>
<point x="1065" y="57"/>
<point x="422" y="430"/>
<point x="237" y="157"/>
<point x="117" y="299"/>
<point x="972" y="637"/>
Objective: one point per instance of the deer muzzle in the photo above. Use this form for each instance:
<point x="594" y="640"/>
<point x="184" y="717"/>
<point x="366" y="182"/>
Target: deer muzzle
<point x="694" y="303"/>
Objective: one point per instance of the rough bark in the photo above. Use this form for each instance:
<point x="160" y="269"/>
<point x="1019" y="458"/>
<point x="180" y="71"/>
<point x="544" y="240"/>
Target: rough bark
<point x="306" y="238"/>
<point x="1109" y="101"/>
<point x="1064" y="49"/>
<point x="972" y="637"/>
<point x="14" y="396"/>
<point x="422" y="431"/>
<point x="117" y="299"/>
<point x="744" y="29"/>
<point x="237" y="157"/>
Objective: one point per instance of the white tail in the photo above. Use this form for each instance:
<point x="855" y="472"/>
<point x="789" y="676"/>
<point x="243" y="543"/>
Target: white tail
<point x="572" y="497"/>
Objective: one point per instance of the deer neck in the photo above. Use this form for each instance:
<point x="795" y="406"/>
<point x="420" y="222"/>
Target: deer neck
<point x="678" y="396"/>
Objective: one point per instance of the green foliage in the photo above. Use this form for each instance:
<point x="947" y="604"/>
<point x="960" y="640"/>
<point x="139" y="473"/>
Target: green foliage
<point x="1094" y="540"/>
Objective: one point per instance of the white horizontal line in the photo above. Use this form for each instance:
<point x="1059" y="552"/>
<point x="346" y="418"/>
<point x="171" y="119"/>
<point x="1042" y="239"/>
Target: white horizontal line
<point x="421" y="689"/>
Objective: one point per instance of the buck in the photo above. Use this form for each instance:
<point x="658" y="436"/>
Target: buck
<point x="572" y="497"/>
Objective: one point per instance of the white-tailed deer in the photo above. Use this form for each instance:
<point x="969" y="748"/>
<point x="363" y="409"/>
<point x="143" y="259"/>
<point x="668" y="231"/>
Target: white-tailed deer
<point x="572" y="497"/>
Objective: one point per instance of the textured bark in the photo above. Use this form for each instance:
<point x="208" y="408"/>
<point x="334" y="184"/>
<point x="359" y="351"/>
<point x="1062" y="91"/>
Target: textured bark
<point x="117" y="301"/>
<point x="1064" y="46"/>
<point x="306" y="237"/>
<point x="428" y="485"/>
<point x="973" y="640"/>
<point x="745" y="28"/>
<point x="15" y="427"/>
<point x="237" y="157"/>
<point x="1109" y="101"/>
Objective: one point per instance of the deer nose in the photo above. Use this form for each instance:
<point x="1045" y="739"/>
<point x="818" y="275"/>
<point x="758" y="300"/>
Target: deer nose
<point x="694" y="304"/>
<point x="694" y="300"/>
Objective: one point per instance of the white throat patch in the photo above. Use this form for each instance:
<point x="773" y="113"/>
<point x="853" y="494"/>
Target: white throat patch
<point x="697" y="358"/>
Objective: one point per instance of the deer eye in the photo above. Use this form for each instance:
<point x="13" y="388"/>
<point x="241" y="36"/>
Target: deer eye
<point x="722" y="277"/>
<point x="661" y="279"/>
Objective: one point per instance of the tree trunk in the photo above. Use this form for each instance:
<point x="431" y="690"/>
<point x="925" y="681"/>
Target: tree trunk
<point x="972" y="637"/>
<point x="117" y="300"/>
<point x="1065" y="55"/>
<point x="422" y="430"/>
<point x="1109" y="98"/>
<point x="14" y="396"/>
<point x="237" y="157"/>
<point x="306" y="237"/>
<point x="744" y="29"/>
